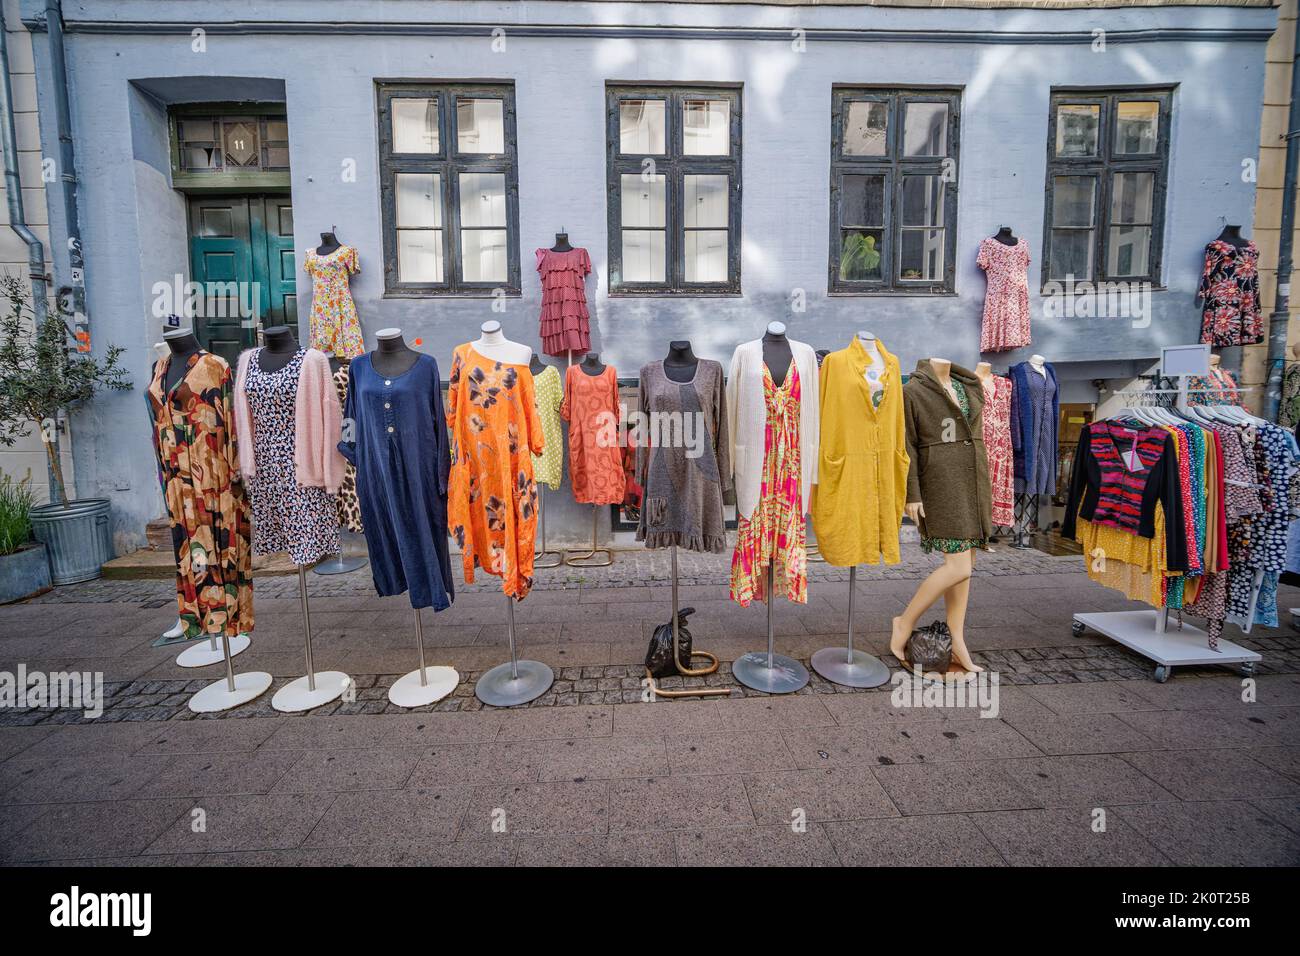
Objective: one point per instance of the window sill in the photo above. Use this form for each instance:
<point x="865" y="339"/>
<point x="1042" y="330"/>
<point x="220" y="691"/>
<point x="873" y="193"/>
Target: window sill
<point x="1044" y="292"/>
<point x="434" y="294"/>
<point x="890" y="293"/>
<point x="674" y="294"/>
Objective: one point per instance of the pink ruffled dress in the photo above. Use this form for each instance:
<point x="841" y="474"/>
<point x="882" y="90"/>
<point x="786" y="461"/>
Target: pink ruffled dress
<point x="564" y="301"/>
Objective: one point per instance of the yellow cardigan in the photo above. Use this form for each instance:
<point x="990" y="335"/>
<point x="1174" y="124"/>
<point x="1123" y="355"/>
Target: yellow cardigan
<point x="857" y="504"/>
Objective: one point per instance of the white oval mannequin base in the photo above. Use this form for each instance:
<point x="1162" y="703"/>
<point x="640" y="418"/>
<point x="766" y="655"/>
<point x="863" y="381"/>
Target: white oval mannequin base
<point x="217" y="696"/>
<point x="203" y="653"/>
<point x="297" y="695"/>
<point x="407" y="691"/>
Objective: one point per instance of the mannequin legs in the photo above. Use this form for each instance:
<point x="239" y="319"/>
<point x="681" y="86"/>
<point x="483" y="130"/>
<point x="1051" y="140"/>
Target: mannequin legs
<point x="951" y="581"/>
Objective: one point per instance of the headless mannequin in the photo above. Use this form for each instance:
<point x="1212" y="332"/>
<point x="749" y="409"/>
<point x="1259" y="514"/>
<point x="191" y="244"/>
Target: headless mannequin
<point x="183" y="344"/>
<point x="984" y="372"/>
<point x="329" y="244"/>
<point x="1006" y="236"/>
<point x="680" y="363"/>
<point x="561" y="242"/>
<point x="1232" y="235"/>
<point x="951" y="580"/>
<point x="776" y="352"/>
<point x="392" y="356"/>
<point x="1215" y="359"/>
<point x="280" y="349"/>
<point x="875" y="364"/>
<point x="536" y="365"/>
<point x="494" y="346"/>
<point x="1038" y="364"/>
<point x="592" y="365"/>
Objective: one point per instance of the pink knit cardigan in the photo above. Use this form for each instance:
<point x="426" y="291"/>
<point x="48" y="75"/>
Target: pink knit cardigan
<point x="317" y="419"/>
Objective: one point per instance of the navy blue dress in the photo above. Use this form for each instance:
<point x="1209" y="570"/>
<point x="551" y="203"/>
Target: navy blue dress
<point x="395" y="433"/>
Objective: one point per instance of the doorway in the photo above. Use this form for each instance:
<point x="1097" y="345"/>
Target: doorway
<point x="241" y="252"/>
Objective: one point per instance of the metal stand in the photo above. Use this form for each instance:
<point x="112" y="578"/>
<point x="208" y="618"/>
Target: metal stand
<point x="314" y="689"/>
<point x="231" y="692"/>
<point x="515" y="682"/>
<point x="425" y="685"/>
<point x="770" y="672"/>
<point x="683" y="668"/>
<point x="540" y="560"/>
<point x="814" y="555"/>
<point x="584" y="560"/>
<point x="1021" y="537"/>
<point x="339" y="564"/>
<point x="204" y="653"/>
<point x="844" y="665"/>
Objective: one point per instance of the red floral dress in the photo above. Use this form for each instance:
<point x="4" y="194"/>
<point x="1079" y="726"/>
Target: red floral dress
<point x="1230" y="289"/>
<point x="1006" y="301"/>
<point x="564" y="301"/>
<point x="997" y="440"/>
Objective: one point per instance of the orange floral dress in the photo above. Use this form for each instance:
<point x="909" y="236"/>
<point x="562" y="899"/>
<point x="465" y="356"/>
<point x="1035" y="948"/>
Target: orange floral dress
<point x="590" y="407"/>
<point x="492" y="500"/>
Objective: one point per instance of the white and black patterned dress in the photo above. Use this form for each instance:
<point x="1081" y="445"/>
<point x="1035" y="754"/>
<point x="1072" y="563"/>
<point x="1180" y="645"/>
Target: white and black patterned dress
<point x="286" y="516"/>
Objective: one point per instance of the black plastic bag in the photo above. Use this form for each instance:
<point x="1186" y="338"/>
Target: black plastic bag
<point x="659" y="660"/>
<point x="929" y="649"/>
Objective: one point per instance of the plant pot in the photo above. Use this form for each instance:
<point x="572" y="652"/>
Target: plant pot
<point x="76" y="537"/>
<point x="24" y="574"/>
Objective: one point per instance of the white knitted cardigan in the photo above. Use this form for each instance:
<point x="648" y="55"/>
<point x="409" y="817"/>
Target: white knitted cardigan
<point x="747" y="421"/>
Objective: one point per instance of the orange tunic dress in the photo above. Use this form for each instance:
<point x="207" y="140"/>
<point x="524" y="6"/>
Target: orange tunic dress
<point x="590" y="407"/>
<point x="492" y="499"/>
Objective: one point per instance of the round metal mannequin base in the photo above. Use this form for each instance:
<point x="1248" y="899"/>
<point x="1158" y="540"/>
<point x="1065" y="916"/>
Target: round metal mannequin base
<point x="340" y="564"/>
<point x="785" y="676"/>
<point x="407" y="691"/>
<point x="217" y="696"/>
<point x="500" y="688"/>
<point x="297" y="696"/>
<point x="202" y="654"/>
<point x="862" y="670"/>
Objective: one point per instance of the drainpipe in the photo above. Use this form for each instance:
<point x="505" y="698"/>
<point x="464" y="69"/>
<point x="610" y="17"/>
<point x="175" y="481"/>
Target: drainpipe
<point x="76" y="288"/>
<point x="1278" y="320"/>
<point x="17" y="216"/>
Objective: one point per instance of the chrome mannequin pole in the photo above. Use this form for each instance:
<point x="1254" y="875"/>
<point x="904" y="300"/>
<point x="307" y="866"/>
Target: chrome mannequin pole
<point x="427" y="684"/>
<point x="770" y="672"/>
<point x="516" y="681"/>
<point x="311" y="690"/>
<point x="845" y="665"/>
<point x="540" y="561"/>
<point x="236" y="689"/>
<point x="684" y="667"/>
<point x="584" y="560"/>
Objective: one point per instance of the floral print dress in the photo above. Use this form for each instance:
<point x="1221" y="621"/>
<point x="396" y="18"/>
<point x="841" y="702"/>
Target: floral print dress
<point x="548" y="467"/>
<point x="198" y="457"/>
<point x="595" y="459"/>
<point x="997" y="440"/>
<point x="334" y="326"/>
<point x="1006" y="301"/>
<point x="774" y="532"/>
<point x="492" y="498"/>
<point x="1230" y="289"/>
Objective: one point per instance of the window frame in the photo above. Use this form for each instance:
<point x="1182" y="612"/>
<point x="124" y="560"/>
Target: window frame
<point x="674" y="166"/>
<point x="1103" y="167"/>
<point x="449" y="165"/>
<point x="895" y="168"/>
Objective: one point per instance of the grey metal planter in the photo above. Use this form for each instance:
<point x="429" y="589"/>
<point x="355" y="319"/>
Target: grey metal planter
<point x="77" y="538"/>
<point x="24" y="574"/>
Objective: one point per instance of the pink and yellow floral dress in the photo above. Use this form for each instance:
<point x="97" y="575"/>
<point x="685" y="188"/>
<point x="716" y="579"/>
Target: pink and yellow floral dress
<point x="775" y="529"/>
<point x="334" y="326"/>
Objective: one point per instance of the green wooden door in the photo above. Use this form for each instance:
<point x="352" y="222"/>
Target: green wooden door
<point x="241" y="252"/>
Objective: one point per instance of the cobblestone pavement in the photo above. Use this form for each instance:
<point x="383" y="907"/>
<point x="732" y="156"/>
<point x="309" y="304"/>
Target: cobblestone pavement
<point x="1187" y="772"/>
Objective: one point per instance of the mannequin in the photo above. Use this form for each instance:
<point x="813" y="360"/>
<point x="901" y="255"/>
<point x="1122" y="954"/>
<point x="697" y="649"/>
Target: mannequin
<point x="329" y="243"/>
<point x="1038" y="364"/>
<point x="183" y="344"/>
<point x="680" y="364"/>
<point x="592" y="365"/>
<point x="1232" y="236"/>
<point x="280" y="349"/>
<point x="876" y="364"/>
<point x="392" y="355"/>
<point x="536" y="365"/>
<point x="493" y="344"/>
<point x="776" y="352"/>
<point x="984" y="372"/>
<point x="561" y="242"/>
<point x="1005" y="236"/>
<point x="1216" y="359"/>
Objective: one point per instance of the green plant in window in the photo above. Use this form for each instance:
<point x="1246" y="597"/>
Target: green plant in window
<point x="859" y="257"/>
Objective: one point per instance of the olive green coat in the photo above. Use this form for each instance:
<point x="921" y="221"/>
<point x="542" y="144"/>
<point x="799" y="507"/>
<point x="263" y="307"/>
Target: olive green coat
<point x="949" y="471"/>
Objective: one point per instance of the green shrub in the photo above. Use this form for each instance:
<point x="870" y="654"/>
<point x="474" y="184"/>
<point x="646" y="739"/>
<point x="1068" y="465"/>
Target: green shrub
<point x="16" y="500"/>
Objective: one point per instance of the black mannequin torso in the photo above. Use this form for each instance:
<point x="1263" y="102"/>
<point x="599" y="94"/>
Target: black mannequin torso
<point x="182" y="346"/>
<point x="393" y="356"/>
<point x="536" y="365"/>
<point x="1233" y="237"/>
<point x="329" y="244"/>
<point x="680" y="363"/>
<point x="561" y="243"/>
<point x="592" y="365"/>
<point x="776" y="356"/>
<point x="280" y="349"/>
<point x="1006" y="236"/>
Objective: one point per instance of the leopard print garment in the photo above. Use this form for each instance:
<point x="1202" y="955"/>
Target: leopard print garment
<point x="349" y="508"/>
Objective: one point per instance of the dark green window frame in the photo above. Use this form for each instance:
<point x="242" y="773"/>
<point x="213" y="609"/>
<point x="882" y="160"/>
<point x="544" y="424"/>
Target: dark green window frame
<point x="1101" y="236"/>
<point x="449" y="164"/>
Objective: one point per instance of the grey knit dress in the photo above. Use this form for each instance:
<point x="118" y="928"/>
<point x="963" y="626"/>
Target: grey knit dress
<point x="682" y="463"/>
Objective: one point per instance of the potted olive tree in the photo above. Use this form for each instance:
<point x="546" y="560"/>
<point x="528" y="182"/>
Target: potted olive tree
<point x="42" y="376"/>
<point x="24" y="568"/>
